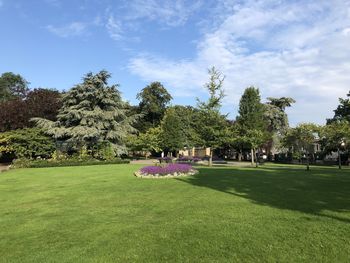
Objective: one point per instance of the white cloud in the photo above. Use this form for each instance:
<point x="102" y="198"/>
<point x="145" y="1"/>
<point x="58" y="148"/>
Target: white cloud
<point x="69" y="30"/>
<point x="297" y="49"/>
<point x="132" y="15"/>
<point x="114" y="28"/>
<point x="168" y="12"/>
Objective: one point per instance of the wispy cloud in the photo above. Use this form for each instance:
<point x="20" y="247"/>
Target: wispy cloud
<point x="168" y="12"/>
<point x="114" y="28"/>
<point x="134" y="13"/>
<point x="69" y="30"/>
<point x="297" y="49"/>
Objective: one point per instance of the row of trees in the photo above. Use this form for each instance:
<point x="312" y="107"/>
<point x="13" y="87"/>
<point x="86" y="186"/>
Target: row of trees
<point x="92" y="117"/>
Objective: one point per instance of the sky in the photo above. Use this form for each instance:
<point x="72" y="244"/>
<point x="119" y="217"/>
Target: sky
<point x="299" y="49"/>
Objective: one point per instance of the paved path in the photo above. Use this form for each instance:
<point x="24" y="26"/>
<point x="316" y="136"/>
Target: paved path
<point x="145" y="161"/>
<point x="4" y="167"/>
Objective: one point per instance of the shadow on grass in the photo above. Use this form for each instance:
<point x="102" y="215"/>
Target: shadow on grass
<point x="310" y="192"/>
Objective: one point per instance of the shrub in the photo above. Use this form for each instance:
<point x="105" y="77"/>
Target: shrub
<point x="26" y="143"/>
<point x="27" y="163"/>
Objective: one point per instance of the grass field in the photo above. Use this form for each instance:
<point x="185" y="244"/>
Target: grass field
<point x="104" y="214"/>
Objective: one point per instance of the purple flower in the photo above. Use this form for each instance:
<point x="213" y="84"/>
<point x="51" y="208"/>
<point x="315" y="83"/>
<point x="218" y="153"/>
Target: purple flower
<point x="169" y="169"/>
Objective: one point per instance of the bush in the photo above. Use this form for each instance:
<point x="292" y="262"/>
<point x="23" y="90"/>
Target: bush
<point x="28" y="163"/>
<point x="26" y="143"/>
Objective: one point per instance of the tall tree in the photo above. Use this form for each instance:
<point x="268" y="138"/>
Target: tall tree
<point x="93" y="113"/>
<point x="173" y="136"/>
<point x="211" y="123"/>
<point x="342" y="112"/>
<point x="276" y="119"/>
<point x="251" y="120"/>
<point x="154" y="99"/>
<point x="12" y="86"/>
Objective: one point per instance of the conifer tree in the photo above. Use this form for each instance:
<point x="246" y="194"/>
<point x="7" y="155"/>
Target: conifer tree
<point x="92" y="114"/>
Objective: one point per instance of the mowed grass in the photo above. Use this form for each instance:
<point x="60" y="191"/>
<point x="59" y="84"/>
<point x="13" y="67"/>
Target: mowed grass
<point x="105" y="214"/>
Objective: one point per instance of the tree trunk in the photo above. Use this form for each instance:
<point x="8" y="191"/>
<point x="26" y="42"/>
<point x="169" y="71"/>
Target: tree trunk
<point x="252" y="155"/>
<point x="339" y="159"/>
<point x="256" y="158"/>
<point x="307" y="162"/>
<point x="240" y="155"/>
<point x="210" y="162"/>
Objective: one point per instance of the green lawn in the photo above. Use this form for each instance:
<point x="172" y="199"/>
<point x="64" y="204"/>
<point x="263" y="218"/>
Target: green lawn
<point x="104" y="214"/>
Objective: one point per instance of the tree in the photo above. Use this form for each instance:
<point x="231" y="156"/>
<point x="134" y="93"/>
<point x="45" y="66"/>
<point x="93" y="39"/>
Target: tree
<point x="251" y="119"/>
<point x="16" y="113"/>
<point x="12" y="86"/>
<point x="173" y="136"/>
<point x="276" y="119"/>
<point x="342" y="112"/>
<point x="93" y="113"/>
<point x="153" y="101"/>
<point x="211" y="123"/>
<point x="150" y="141"/>
<point x="302" y="139"/>
<point x="335" y="136"/>
<point x="281" y="103"/>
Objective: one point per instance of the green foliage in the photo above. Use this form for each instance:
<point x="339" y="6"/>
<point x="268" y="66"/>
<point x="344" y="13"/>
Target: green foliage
<point x="153" y="101"/>
<point x="251" y="110"/>
<point x="302" y="137"/>
<point x="12" y="86"/>
<point x="335" y="134"/>
<point x="188" y="116"/>
<point x="215" y="89"/>
<point x="173" y="136"/>
<point x="149" y="141"/>
<point x="210" y="124"/>
<point x="342" y="112"/>
<point x="92" y="113"/>
<point x="281" y="103"/>
<point x="28" y="143"/>
<point x="73" y="161"/>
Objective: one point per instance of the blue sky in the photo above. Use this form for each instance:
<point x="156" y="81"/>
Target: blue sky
<point x="286" y="48"/>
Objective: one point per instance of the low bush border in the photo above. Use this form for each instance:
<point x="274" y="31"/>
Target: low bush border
<point x="65" y="163"/>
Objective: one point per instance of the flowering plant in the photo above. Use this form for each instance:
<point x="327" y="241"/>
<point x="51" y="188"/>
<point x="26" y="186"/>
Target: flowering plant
<point x="169" y="170"/>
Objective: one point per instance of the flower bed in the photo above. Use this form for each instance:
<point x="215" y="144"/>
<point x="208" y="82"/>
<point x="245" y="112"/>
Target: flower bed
<point x="170" y="170"/>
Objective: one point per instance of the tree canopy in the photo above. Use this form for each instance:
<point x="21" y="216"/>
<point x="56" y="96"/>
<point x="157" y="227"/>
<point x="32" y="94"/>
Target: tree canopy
<point x="154" y="99"/>
<point x="12" y="86"/>
<point x="92" y="113"/>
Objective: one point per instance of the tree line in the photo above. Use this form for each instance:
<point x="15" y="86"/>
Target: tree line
<point x="92" y="119"/>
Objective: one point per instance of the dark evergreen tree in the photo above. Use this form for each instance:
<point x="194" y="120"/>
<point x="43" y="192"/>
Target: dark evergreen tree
<point x="173" y="136"/>
<point x="92" y="114"/>
<point x="153" y="102"/>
